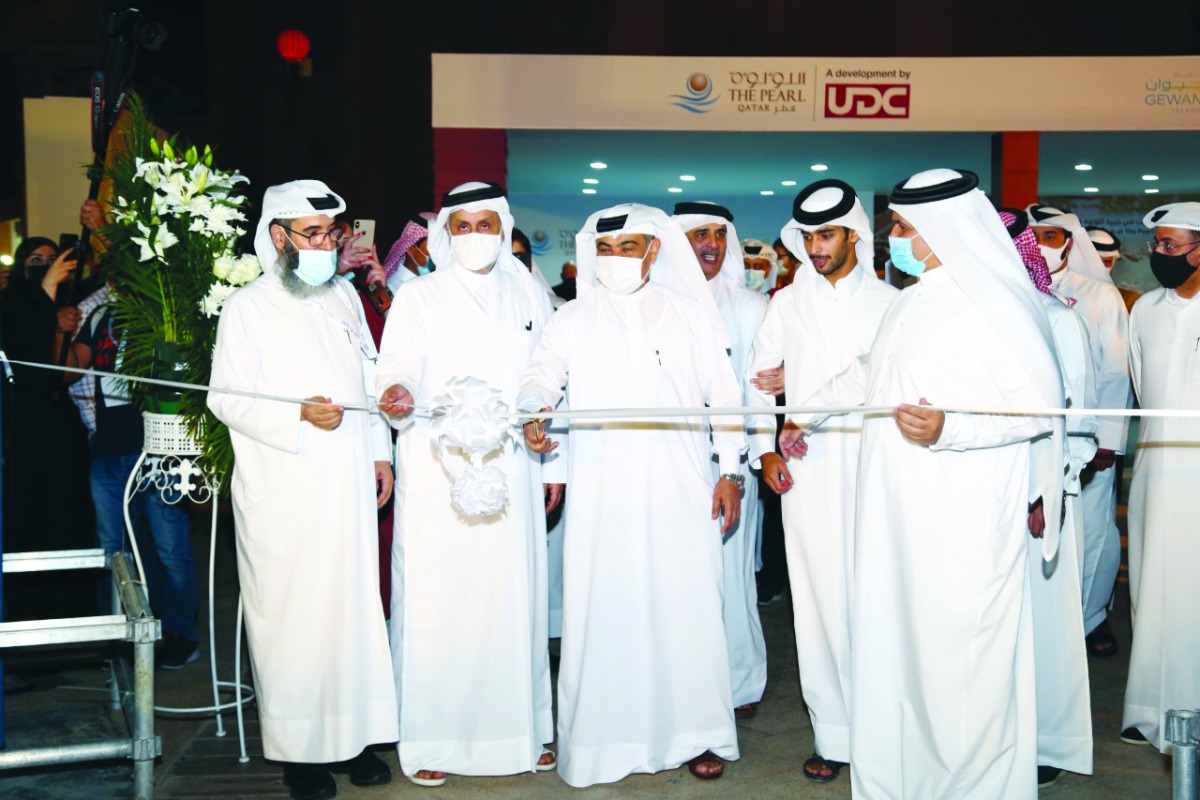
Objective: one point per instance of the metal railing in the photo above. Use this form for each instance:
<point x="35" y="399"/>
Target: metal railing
<point x="133" y="684"/>
<point x="1183" y="732"/>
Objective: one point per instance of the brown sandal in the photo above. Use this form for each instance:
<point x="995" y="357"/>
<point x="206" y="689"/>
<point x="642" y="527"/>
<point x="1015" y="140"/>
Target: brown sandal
<point x="702" y="766"/>
<point x="745" y="712"/>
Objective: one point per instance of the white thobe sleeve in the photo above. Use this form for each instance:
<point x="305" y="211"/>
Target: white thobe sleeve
<point x="977" y="431"/>
<point x="722" y="389"/>
<point x="380" y="433"/>
<point x="1135" y="350"/>
<point x="401" y="351"/>
<point x="545" y="377"/>
<point x="847" y="388"/>
<point x="766" y="353"/>
<point x="1112" y="368"/>
<point x="554" y="463"/>
<point x="237" y="365"/>
<point x="1075" y="357"/>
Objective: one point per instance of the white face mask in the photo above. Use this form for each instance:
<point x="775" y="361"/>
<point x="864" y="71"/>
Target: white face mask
<point x="475" y="251"/>
<point x="1053" y="256"/>
<point x="619" y="274"/>
<point x="756" y="279"/>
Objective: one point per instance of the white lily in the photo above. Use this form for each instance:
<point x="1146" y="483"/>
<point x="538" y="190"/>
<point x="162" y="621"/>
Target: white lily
<point x="154" y="244"/>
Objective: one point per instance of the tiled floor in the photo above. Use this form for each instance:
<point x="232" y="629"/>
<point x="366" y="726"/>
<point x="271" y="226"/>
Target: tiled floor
<point x="198" y="764"/>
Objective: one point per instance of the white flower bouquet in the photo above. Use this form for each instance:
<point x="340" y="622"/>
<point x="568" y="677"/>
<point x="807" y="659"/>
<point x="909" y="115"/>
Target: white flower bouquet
<point x="170" y="255"/>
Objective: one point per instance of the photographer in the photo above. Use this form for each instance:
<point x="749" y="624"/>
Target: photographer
<point x="47" y="505"/>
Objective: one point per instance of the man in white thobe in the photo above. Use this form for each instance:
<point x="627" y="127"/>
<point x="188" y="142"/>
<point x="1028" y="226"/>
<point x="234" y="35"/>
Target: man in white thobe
<point x="1108" y="247"/>
<point x="305" y="498"/>
<point x="1164" y="551"/>
<point x="1079" y="275"/>
<point x="643" y="684"/>
<point x="1064" y="706"/>
<point x="817" y="326"/>
<point x="710" y="231"/>
<point x="468" y="616"/>
<point x="941" y="673"/>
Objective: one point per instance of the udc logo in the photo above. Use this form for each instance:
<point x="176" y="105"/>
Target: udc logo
<point x="541" y="243"/>
<point x="698" y="96"/>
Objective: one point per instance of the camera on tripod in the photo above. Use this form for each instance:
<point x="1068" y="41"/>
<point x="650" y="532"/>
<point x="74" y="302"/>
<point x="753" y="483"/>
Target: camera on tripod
<point x="129" y="23"/>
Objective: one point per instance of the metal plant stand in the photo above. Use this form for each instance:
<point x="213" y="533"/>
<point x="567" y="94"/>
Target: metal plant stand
<point x="172" y="463"/>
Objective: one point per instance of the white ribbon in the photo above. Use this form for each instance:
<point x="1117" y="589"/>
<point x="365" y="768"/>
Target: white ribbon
<point x="472" y="418"/>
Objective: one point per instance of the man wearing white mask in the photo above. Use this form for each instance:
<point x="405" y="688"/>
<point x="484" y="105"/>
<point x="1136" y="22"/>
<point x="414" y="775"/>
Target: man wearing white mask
<point x="826" y="319"/>
<point x="760" y="264"/>
<point x="710" y="231"/>
<point x="1164" y="551"/>
<point x="941" y="677"/>
<point x="1064" y="706"/>
<point x="305" y="486"/>
<point x="1077" y="274"/>
<point x="469" y="609"/>
<point x="644" y="677"/>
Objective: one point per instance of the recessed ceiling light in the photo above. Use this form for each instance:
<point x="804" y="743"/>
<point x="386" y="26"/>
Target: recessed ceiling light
<point x="674" y="189"/>
<point x="1149" y="177"/>
<point x="1152" y="191"/>
<point x="1083" y="167"/>
<point x="687" y="177"/>
<point x="598" y="165"/>
<point x="766" y="192"/>
<point x="592" y="181"/>
<point x="818" y="167"/>
<point x="1090" y="189"/>
<point x="589" y="191"/>
<point x="787" y="183"/>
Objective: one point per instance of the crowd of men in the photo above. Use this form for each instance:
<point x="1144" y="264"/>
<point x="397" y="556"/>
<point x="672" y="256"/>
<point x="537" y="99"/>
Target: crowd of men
<point x="950" y="563"/>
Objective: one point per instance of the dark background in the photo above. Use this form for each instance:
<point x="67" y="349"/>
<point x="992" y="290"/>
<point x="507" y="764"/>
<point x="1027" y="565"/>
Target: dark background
<point x="361" y="121"/>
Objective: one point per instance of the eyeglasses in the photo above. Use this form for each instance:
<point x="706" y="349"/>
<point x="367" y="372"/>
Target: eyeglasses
<point x="334" y="234"/>
<point x="1170" y="248"/>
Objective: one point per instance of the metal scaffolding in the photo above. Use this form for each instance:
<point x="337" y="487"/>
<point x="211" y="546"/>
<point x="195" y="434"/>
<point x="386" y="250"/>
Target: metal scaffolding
<point x="133" y="685"/>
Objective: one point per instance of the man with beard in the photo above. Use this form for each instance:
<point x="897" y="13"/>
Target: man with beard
<point x="709" y="229"/>
<point x="306" y="484"/>
<point x="818" y="326"/>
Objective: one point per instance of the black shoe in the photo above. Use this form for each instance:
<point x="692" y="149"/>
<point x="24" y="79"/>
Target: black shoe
<point x="309" y="781"/>
<point x="1048" y="776"/>
<point x="177" y="652"/>
<point x="1134" y="736"/>
<point x="365" y="769"/>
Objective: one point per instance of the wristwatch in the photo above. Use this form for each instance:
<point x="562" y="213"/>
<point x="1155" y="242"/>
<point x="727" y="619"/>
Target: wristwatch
<point x="738" y="480"/>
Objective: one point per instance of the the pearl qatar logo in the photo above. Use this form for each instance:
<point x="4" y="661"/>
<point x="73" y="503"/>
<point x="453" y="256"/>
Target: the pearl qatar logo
<point x="698" y="94"/>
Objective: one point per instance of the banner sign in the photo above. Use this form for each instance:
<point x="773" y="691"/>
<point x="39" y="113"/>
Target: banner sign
<point x="795" y="94"/>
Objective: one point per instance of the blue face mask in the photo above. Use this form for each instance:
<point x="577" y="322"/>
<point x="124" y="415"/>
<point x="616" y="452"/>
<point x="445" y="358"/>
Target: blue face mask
<point x="316" y="266"/>
<point x="903" y="258"/>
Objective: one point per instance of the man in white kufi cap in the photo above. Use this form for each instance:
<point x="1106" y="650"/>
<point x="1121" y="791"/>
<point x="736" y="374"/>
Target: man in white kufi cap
<point x="1078" y="274"/>
<point x="469" y="608"/>
<point x="941" y="679"/>
<point x="1164" y="550"/>
<point x="305" y="498"/>
<point x="644" y="678"/>
<point x="817" y="326"/>
<point x="710" y="231"/>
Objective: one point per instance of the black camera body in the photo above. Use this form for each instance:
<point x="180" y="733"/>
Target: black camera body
<point x="129" y="23"/>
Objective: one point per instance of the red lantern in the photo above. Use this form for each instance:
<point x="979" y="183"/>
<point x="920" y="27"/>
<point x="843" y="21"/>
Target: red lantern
<point x="293" y="45"/>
